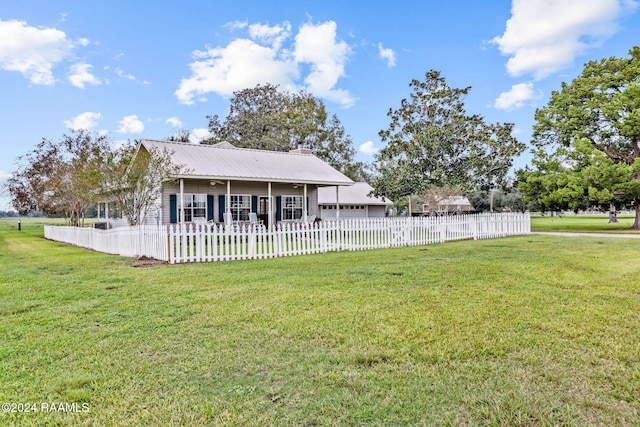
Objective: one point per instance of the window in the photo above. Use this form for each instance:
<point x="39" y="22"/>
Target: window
<point x="195" y="206"/>
<point x="240" y="207"/>
<point x="111" y="209"/>
<point x="291" y="207"/>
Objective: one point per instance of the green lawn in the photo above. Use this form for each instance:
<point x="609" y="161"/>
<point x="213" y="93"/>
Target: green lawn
<point x="532" y="330"/>
<point x="583" y="224"/>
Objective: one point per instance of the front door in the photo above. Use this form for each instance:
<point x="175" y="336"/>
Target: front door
<point x="263" y="209"/>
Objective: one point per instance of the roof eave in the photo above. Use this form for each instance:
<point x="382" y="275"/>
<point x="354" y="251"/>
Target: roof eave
<point x="254" y="179"/>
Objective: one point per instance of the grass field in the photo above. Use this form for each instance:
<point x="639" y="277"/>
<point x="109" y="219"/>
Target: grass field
<point x="583" y="224"/>
<point x="532" y="330"/>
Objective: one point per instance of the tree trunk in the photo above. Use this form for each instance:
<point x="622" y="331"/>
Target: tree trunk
<point x="612" y="213"/>
<point x="636" y="205"/>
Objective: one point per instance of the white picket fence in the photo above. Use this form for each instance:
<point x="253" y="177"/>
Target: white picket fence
<point x="208" y="243"/>
<point x="138" y="241"/>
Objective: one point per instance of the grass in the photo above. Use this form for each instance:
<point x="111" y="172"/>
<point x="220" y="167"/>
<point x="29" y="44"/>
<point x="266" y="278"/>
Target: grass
<point x="583" y="224"/>
<point x="533" y="330"/>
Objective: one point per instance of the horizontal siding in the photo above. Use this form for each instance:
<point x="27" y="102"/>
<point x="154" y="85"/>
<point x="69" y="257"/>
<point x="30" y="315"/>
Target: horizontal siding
<point x="237" y="187"/>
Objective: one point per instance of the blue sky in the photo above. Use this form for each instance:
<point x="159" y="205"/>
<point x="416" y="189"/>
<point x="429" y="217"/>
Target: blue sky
<point x="142" y="69"/>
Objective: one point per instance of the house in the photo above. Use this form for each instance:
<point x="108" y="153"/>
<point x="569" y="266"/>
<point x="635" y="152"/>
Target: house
<point x="353" y="202"/>
<point x="450" y="205"/>
<point x="221" y="181"/>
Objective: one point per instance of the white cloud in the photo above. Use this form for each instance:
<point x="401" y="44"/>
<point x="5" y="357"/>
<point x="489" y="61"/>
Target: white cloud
<point x="80" y="74"/>
<point x="174" y="121"/>
<point x="262" y="58"/>
<point x="124" y="75"/>
<point x="243" y="63"/>
<point x="516" y="97"/>
<point x="273" y="36"/>
<point x="543" y="37"/>
<point x="198" y="135"/>
<point x="86" y="121"/>
<point x="317" y="45"/>
<point x="131" y="124"/>
<point x="32" y="51"/>
<point x="368" y="148"/>
<point x="388" y="55"/>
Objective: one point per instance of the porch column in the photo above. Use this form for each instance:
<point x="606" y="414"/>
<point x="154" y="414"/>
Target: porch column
<point x="269" y="207"/>
<point x="181" y="200"/>
<point x="337" y="202"/>
<point x="304" y="204"/>
<point x="227" y="201"/>
<point x="106" y="213"/>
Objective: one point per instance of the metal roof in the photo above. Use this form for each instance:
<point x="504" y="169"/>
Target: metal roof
<point x="357" y="194"/>
<point x="225" y="162"/>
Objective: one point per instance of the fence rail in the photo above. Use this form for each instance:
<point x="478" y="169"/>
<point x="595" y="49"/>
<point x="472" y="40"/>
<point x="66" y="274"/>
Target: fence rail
<point x="207" y="243"/>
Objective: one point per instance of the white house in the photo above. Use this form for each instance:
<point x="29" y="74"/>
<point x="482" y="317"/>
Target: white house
<point x="222" y="179"/>
<point x="353" y="201"/>
<point x="449" y="205"/>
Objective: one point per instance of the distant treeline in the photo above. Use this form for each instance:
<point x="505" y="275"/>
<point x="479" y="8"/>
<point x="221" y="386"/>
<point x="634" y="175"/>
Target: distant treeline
<point x="9" y="214"/>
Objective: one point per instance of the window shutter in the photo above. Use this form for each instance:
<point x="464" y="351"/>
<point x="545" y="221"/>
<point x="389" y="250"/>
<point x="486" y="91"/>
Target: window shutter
<point x="278" y="208"/>
<point x="173" y="209"/>
<point x="308" y="205"/>
<point x="254" y="204"/>
<point x="209" y="207"/>
<point x="221" y="208"/>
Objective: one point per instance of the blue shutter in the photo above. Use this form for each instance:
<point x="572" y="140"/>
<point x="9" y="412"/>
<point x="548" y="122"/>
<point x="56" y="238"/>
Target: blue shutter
<point x="221" y="198"/>
<point x="278" y="208"/>
<point x="209" y="207"/>
<point x="254" y="204"/>
<point x="307" y="206"/>
<point x="173" y="209"/>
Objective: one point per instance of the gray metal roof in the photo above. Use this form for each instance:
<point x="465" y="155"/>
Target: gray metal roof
<point x="225" y="162"/>
<point x="357" y="194"/>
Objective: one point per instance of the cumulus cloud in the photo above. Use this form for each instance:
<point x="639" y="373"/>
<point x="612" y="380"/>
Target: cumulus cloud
<point x="130" y="124"/>
<point x="273" y="36"/>
<point x="516" y="97"/>
<point x="388" y="55"/>
<point x="80" y="74"/>
<point x="32" y="51"/>
<point x="198" y="135"/>
<point x="241" y="64"/>
<point x="543" y="37"/>
<point x="174" y="121"/>
<point x="87" y="121"/>
<point x="368" y="148"/>
<point x="262" y="58"/>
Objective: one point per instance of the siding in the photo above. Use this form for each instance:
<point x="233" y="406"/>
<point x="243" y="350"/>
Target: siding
<point x="237" y="187"/>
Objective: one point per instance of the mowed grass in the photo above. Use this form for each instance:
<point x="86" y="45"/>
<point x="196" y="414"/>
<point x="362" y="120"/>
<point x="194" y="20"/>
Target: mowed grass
<point x="532" y="330"/>
<point x="583" y="224"/>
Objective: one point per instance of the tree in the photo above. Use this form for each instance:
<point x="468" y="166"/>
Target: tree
<point x="601" y="107"/>
<point x="133" y="177"/>
<point x="433" y="142"/>
<point x="268" y="119"/>
<point x="180" y="135"/>
<point x="60" y="178"/>
<point x="578" y="177"/>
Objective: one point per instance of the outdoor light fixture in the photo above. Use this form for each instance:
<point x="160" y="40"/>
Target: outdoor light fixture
<point x="214" y="182"/>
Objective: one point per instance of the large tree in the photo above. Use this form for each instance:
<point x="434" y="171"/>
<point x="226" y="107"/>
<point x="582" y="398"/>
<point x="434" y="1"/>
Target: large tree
<point x="60" y="178"/>
<point x="578" y="177"/>
<point x="432" y="142"/>
<point x="602" y="107"/>
<point x="133" y="176"/>
<point x="266" y="118"/>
